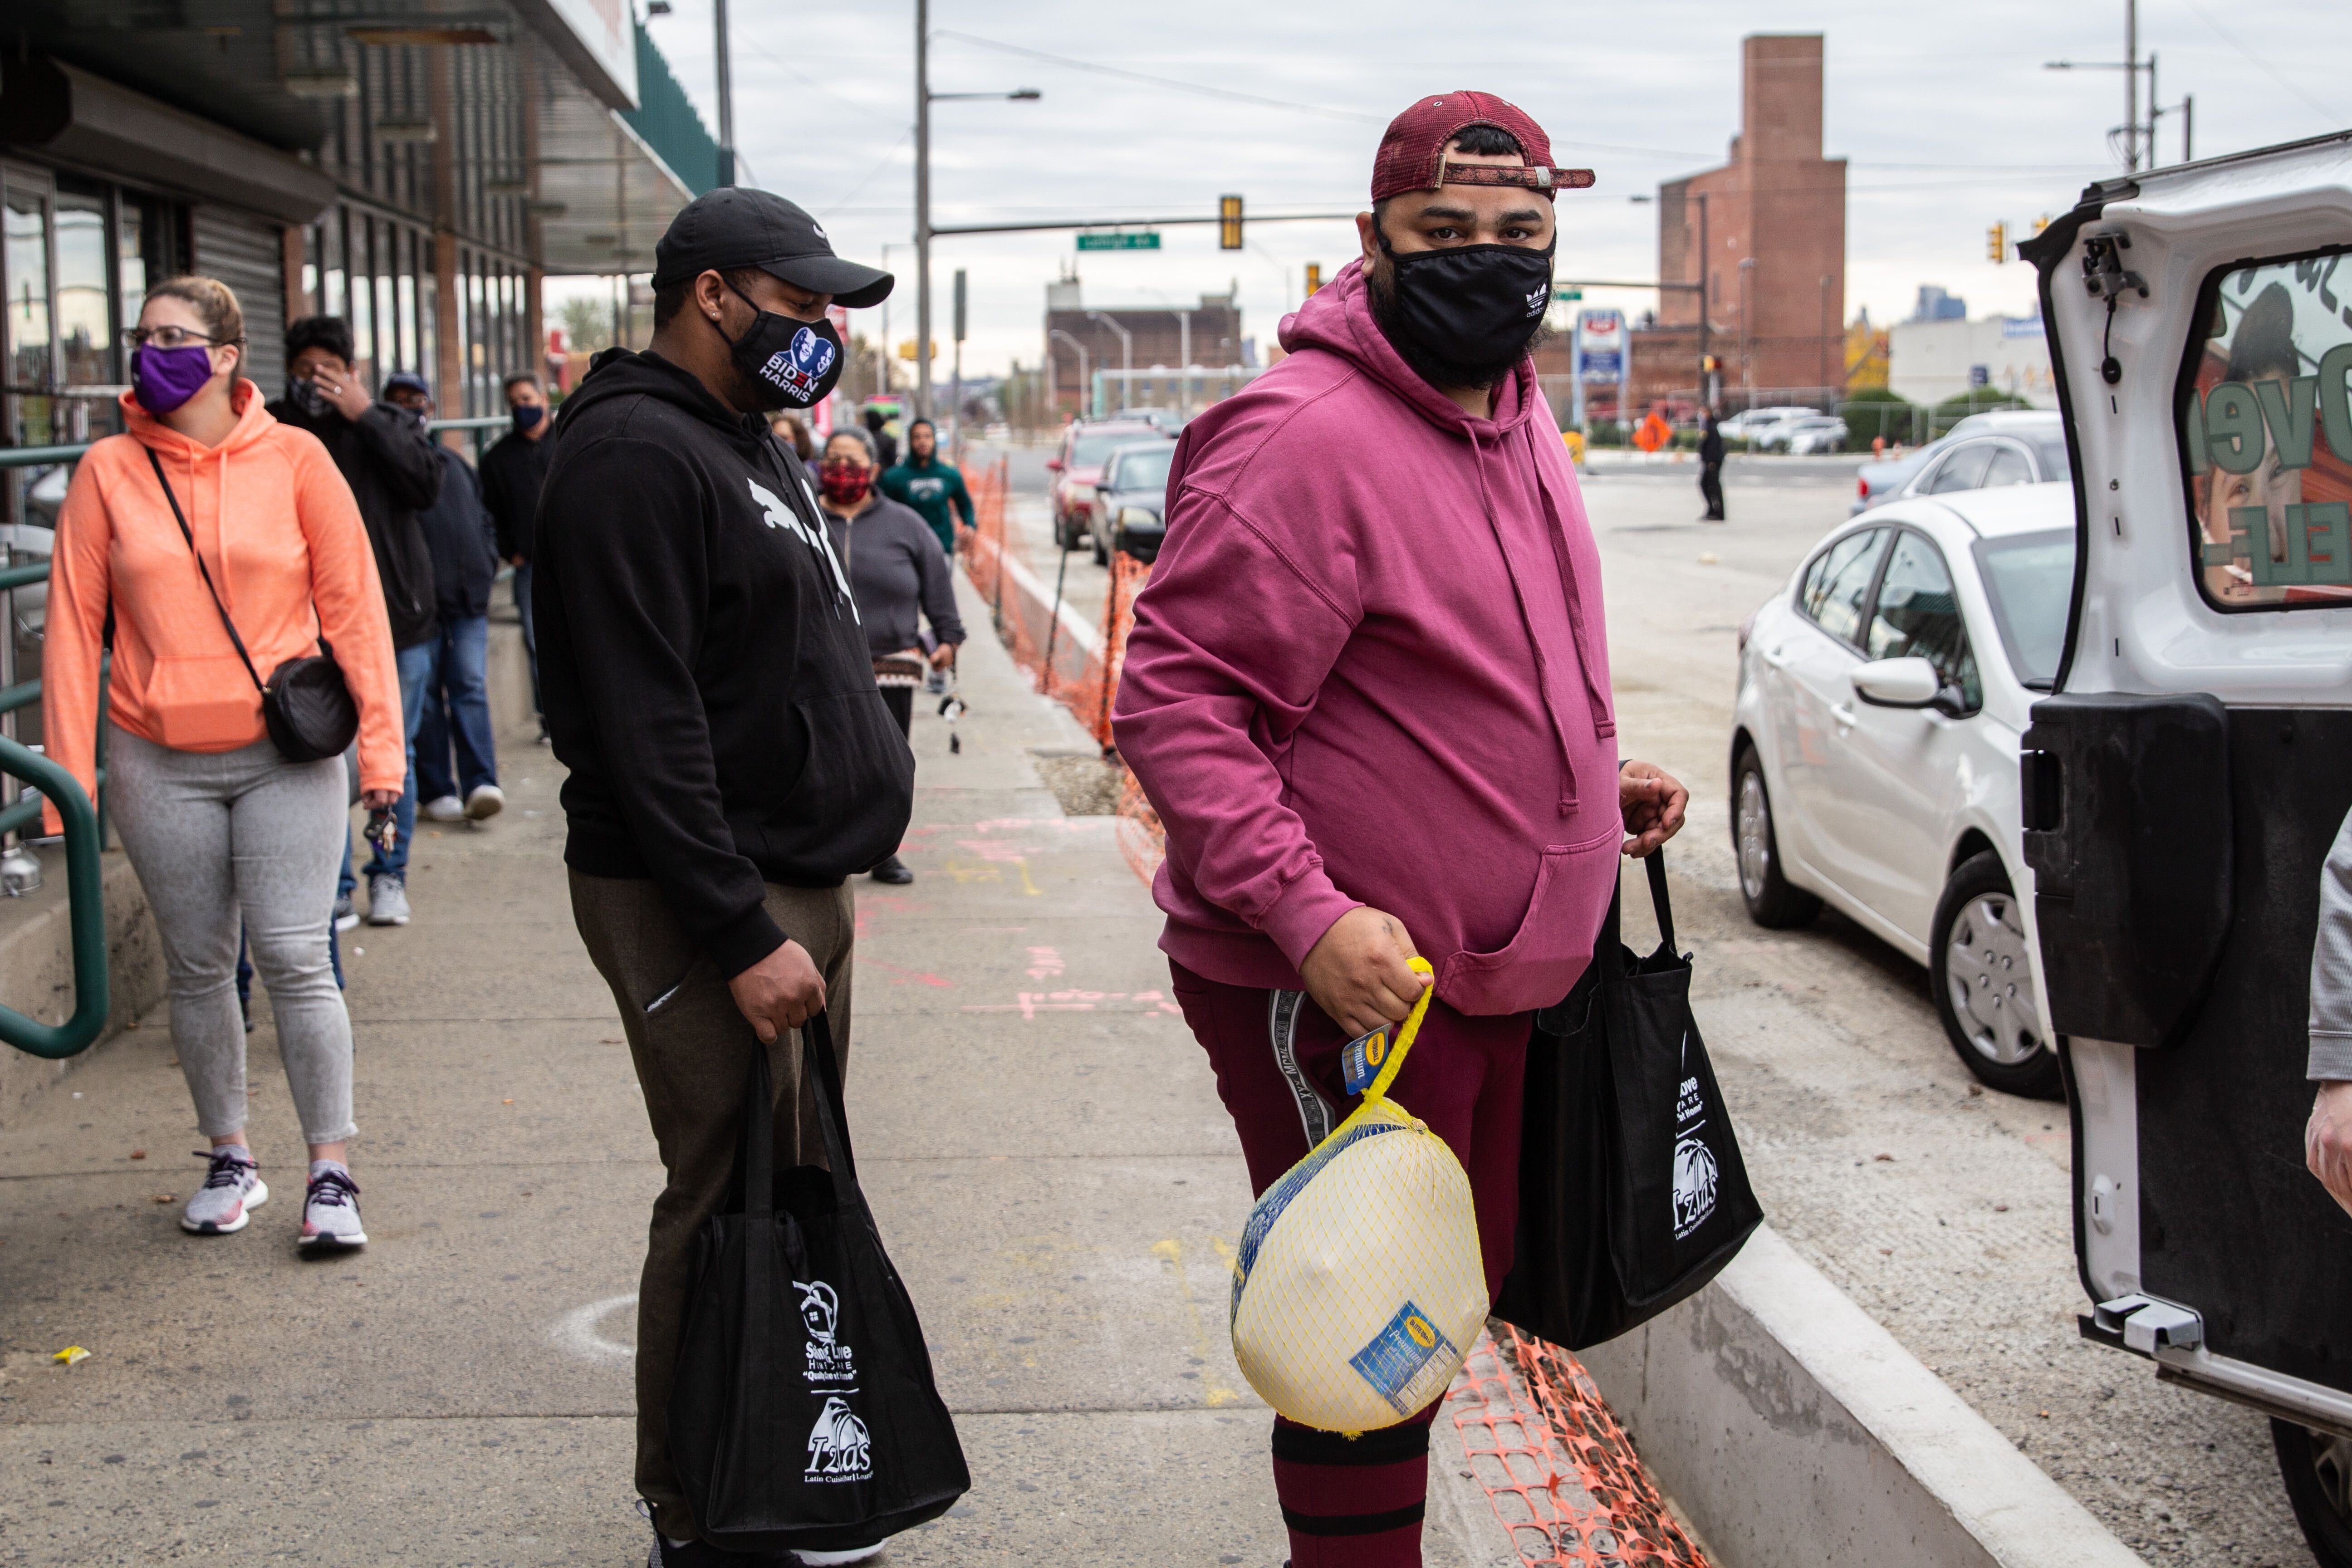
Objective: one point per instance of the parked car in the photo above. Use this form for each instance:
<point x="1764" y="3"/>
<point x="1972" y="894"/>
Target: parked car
<point x="1129" y="510"/>
<point x="1078" y="466"/>
<point x="2009" y="446"/>
<point x="1754" y="425"/>
<point x="1168" y="419"/>
<point x="1874" y="749"/>
<point x="1811" y="434"/>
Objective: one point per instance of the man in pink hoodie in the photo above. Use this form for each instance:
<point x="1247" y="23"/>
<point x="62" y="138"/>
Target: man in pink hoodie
<point x="1368" y="692"/>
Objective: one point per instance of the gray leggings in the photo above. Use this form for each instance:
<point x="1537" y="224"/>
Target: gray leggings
<point x="220" y="838"/>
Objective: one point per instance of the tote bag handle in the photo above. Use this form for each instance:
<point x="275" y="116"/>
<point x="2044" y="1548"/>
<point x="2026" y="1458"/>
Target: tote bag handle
<point x="759" y="1144"/>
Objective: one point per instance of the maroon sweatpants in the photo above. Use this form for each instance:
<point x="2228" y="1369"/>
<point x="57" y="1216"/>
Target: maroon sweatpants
<point x="1357" y="1504"/>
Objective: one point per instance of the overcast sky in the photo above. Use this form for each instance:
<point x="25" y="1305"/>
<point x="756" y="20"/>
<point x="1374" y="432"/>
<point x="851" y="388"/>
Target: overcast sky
<point x="1946" y="116"/>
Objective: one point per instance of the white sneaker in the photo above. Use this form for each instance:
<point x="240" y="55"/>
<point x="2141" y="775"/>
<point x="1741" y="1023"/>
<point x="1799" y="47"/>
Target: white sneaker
<point x="232" y="1189"/>
<point x="824" y="1559"/>
<point x="449" y="808"/>
<point x="387" y="900"/>
<point x="487" y="801"/>
<point x="331" y="1213"/>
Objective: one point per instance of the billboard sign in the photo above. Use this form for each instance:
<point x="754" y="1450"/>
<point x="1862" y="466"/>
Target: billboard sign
<point x="1601" y="345"/>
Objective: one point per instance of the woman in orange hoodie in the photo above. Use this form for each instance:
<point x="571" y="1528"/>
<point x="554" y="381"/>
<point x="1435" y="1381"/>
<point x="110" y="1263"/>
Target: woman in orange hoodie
<point x="222" y="829"/>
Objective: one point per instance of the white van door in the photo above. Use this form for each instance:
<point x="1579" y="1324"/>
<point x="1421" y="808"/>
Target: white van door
<point x="2184" y="781"/>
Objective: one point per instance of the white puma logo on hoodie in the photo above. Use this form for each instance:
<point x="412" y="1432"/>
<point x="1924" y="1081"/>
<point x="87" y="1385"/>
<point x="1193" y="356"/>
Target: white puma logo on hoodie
<point x="779" y="515"/>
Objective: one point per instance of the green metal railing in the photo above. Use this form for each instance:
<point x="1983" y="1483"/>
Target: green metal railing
<point x="85" y="904"/>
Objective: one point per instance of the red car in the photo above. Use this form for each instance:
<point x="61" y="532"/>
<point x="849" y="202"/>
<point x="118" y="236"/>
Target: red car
<point x="1078" y="466"/>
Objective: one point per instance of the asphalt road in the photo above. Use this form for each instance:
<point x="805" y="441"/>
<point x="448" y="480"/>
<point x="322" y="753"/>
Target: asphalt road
<point x="1941" y="1209"/>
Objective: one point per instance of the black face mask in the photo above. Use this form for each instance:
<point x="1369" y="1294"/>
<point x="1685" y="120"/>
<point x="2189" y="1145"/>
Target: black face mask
<point x="791" y="364"/>
<point x="1464" y="316"/>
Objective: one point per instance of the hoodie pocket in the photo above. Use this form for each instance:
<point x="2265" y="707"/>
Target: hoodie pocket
<point x="1550" y="951"/>
<point x="848" y="808"/>
<point x="204" y="704"/>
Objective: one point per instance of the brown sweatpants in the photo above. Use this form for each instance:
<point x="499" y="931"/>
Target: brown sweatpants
<point x="692" y="1049"/>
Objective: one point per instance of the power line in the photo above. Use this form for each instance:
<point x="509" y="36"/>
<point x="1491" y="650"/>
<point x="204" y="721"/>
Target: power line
<point x="1160" y="81"/>
<point x="2263" y="66"/>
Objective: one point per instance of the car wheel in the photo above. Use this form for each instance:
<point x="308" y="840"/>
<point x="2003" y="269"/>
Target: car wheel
<point x="1771" y="902"/>
<point x="2317" y="1470"/>
<point x="1982" y="975"/>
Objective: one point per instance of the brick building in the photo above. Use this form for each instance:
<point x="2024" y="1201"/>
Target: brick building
<point x="1772" y="223"/>
<point x="1158" y="336"/>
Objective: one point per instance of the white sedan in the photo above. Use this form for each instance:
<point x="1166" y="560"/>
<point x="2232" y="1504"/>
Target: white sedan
<point x="1873" y="750"/>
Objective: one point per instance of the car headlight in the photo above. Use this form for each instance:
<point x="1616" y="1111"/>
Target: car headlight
<point x="1138" y="517"/>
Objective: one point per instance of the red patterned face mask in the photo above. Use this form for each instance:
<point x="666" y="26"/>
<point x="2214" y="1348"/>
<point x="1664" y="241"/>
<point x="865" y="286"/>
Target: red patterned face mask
<point x="845" y="481"/>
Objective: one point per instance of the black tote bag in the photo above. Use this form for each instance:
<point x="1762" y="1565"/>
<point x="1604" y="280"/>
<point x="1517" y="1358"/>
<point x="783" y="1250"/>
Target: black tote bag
<point x="1633" y="1194"/>
<point x="804" y="1413"/>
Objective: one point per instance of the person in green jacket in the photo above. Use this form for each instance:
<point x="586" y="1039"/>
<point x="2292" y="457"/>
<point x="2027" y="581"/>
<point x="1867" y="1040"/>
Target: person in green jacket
<point x="932" y="488"/>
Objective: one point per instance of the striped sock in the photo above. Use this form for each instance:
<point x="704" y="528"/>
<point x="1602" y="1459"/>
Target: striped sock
<point x="1353" y="1503"/>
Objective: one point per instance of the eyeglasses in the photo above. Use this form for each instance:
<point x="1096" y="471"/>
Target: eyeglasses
<point x="170" y="338"/>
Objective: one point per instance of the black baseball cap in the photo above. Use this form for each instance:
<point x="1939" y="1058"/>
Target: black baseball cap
<point x="736" y="225"/>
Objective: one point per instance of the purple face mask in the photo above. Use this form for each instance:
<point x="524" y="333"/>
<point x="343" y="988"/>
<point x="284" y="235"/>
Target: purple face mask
<point x="163" y="379"/>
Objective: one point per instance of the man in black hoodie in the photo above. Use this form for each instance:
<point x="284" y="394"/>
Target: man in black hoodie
<point x="707" y="685"/>
<point x="387" y="459"/>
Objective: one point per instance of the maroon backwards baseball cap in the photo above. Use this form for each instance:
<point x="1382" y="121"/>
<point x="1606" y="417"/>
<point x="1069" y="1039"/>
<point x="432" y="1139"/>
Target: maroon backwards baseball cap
<point x="1413" y="154"/>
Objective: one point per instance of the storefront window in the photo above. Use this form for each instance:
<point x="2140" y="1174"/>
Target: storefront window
<point x="142" y="254"/>
<point x="85" y="321"/>
<point x="27" y="270"/>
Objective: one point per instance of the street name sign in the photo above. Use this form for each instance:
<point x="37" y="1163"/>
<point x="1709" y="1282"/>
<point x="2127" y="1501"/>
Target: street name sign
<point x="1148" y="239"/>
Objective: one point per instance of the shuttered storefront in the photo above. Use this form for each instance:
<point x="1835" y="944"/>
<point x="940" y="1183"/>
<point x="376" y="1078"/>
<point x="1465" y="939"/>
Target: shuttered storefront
<point x="247" y="254"/>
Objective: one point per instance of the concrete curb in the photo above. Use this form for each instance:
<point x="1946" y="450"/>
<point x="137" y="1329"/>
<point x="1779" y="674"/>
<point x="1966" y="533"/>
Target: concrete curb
<point x="1794" y="1432"/>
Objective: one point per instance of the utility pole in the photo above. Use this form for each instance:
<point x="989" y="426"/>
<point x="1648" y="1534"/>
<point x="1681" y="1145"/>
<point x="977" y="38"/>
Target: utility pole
<point x="2131" y="87"/>
<point x="923" y="207"/>
<point x="1706" y="303"/>
<point x="924" y="99"/>
<point x="726" y="99"/>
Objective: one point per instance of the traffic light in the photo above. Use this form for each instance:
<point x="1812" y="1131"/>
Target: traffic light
<point x="1710" y="364"/>
<point x="1997" y="242"/>
<point x="1229" y="223"/>
<point x="1314" y="278"/>
<point x="906" y="348"/>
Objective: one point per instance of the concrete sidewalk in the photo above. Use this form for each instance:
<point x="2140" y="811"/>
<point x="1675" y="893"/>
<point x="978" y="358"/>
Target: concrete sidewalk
<point x="1038" y="1134"/>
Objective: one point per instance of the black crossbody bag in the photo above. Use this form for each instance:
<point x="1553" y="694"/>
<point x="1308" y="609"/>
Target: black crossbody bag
<point x="306" y="702"/>
<point x="1633" y="1194"/>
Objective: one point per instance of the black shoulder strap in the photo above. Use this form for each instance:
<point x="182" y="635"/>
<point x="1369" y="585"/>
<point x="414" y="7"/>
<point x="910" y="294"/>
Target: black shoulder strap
<point x="182" y="519"/>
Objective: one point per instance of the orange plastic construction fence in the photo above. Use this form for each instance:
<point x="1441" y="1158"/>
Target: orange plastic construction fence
<point x="1074" y="663"/>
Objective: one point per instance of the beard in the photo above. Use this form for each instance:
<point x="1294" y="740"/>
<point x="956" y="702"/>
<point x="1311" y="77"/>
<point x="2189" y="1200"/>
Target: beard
<point x="1439" y="371"/>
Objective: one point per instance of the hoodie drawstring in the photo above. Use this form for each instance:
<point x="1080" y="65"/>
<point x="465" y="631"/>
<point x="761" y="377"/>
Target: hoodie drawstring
<point x="1604" y="718"/>
<point x="1567" y="793"/>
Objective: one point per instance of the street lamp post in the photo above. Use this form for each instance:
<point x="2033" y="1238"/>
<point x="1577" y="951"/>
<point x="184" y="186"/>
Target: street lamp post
<point x="1126" y="355"/>
<point x="1184" y="352"/>
<point x="924" y="99"/>
<point x="726" y="99"/>
<point x="1082" y="382"/>
<point x="1747" y="338"/>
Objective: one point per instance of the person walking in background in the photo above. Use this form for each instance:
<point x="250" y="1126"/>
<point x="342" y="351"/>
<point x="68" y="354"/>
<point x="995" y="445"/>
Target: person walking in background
<point x="513" y="470"/>
<point x="896" y="571"/>
<point x="1367" y="691"/>
<point x="932" y="488"/>
<point x="387" y="459"/>
<point x="209" y="510"/>
<point x="1710" y="469"/>
<point x="708" y="687"/>
<point x="458" y="531"/>
<point x="886" y="446"/>
<point x="794" y="432"/>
